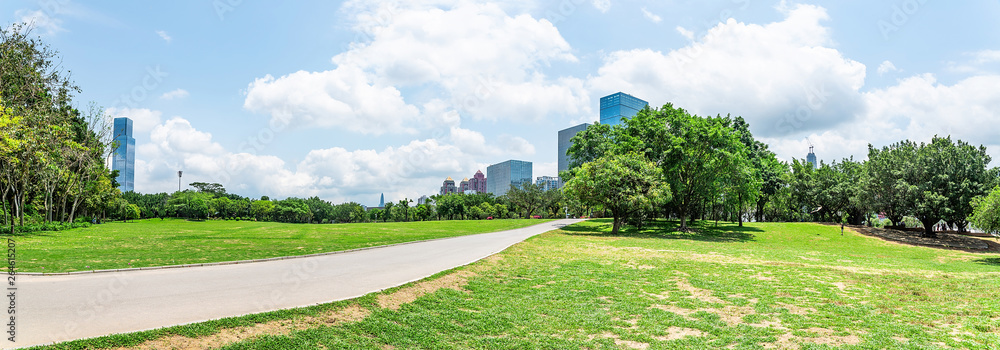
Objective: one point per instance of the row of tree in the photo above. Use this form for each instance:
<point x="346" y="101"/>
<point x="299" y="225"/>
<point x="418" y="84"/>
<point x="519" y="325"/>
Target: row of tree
<point x="210" y="200"/>
<point x="52" y="156"/>
<point x="668" y="163"/>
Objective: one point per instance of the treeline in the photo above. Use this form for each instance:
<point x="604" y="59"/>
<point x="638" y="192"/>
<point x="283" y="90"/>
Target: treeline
<point x="211" y="201"/>
<point x="52" y="156"/>
<point x="668" y="163"/>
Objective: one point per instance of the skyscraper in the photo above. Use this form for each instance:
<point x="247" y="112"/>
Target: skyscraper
<point x="565" y="142"/>
<point x="547" y="182"/>
<point x="502" y="175"/>
<point x="619" y="105"/>
<point x="124" y="159"/>
<point x="478" y="182"/>
<point x="448" y="186"/>
<point x="381" y="201"/>
<point x="811" y="157"/>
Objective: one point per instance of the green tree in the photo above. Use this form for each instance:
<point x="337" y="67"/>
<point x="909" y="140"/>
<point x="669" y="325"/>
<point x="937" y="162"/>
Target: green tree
<point x="527" y="198"/>
<point x="211" y="188"/>
<point x="624" y="184"/>
<point x="986" y="212"/>
<point x="885" y="187"/>
<point x="261" y="210"/>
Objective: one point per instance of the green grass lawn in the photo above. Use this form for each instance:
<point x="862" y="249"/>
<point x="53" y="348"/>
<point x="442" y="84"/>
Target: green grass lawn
<point x="793" y="286"/>
<point x="173" y="241"/>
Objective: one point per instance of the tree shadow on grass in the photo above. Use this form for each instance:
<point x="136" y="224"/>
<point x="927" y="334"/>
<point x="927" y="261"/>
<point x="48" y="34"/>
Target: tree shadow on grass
<point x="705" y="231"/>
<point x="988" y="261"/>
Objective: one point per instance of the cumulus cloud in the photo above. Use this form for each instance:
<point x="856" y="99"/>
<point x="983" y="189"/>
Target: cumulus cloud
<point x="651" y="16"/>
<point x="345" y="97"/>
<point x="485" y="63"/>
<point x="143" y="120"/>
<point x="336" y="174"/>
<point x="782" y="77"/>
<point x="175" y="94"/>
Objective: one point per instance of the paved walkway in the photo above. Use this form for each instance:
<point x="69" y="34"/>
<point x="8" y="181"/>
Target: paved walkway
<point x="60" y="308"/>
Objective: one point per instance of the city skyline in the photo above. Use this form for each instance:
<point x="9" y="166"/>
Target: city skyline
<point x="346" y="100"/>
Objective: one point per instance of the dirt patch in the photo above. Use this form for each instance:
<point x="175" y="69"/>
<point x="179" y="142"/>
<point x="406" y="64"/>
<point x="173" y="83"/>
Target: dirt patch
<point x="796" y="310"/>
<point x="409" y="294"/>
<point x="674" y="333"/>
<point x="231" y="335"/>
<point x="631" y="344"/>
<point x="698" y="293"/>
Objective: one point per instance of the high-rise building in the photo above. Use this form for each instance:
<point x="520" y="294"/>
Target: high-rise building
<point x="547" y="182"/>
<point x="503" y="175"/>
<point x="478" y="182"/>
<point x="565" y="142"/>
<point x="464" y="185"/>
<point x="448" y="186"/>
<point x="381" y="201"/>
<point x="620" y="105"/>
<point x="124" y="159"/>
<point x="811" y="158"/>
<point x="423" y="200"/>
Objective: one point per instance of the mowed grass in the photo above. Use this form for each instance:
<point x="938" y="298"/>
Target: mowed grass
<point x="792" y="286"/>
<point x="157" y="242"/>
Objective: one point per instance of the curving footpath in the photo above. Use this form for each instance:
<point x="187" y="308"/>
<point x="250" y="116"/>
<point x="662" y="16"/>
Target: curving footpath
<point x="60" y="308"/>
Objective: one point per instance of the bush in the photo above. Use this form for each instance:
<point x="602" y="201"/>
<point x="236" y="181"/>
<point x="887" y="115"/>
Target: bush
<point x="43" y="227"/>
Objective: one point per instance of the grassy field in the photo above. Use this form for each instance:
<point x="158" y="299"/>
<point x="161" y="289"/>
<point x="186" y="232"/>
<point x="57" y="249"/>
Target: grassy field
<point x="791" y="286"/>
<point x="173" y="241"/>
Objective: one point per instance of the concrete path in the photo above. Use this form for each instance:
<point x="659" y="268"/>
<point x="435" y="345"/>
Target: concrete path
<point x="59" y="308"/>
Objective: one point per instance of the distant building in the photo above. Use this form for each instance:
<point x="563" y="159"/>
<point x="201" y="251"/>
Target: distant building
<point x="464" y="185"/>
<point x="478" y="182"/>
<point x="381" y="200"/>
<point x="503" y="175"/>
<point x="811" y="158"/>
<point x="547" y="182"/>
<point x="448" y="186"/>
<point x="423" y="200"/>
<point x="124" y="159"/>
<point x="565" y="142"/>
<point x="620" y="105"/>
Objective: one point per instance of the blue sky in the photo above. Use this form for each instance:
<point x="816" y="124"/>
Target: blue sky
<point x="346" y="100"/>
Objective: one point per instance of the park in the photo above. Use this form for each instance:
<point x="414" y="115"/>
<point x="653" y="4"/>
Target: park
<point x="668" y="230"/>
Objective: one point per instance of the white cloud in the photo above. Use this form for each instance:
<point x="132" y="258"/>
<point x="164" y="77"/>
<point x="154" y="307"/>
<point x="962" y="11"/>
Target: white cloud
<point x="345" y="97"/>
<point x="484" y="63"/>
<point x="143" y="120"/>
<point x="163" y="35"/>
<point x="544" y="169"/>
<point x="602" y="5"/>
<point x="40" y="20"/>
<point x="653" y="17"/>
<point x="782" y="77"/>
<point x="986" y="56"/>
<point x="179" y="93"/>
<point x="336" y="174"/>
<point x="887" y="67"/>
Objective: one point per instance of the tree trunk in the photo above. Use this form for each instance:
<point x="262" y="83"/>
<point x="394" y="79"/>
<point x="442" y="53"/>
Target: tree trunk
<point x="617" y="224"/>
<point x="929" y="228"/>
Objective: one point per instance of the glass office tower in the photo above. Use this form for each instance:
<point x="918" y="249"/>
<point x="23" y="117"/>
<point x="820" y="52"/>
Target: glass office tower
<point x="124" y="159"/>
<point x="620" y="105"/>
<point x="502" y="175"/>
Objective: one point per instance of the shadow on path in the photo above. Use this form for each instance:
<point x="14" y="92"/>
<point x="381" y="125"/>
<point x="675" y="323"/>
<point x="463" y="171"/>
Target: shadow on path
<point x="704" y="231"/>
